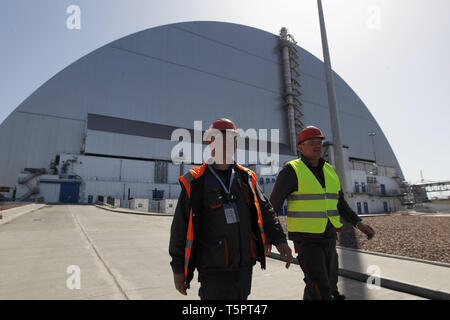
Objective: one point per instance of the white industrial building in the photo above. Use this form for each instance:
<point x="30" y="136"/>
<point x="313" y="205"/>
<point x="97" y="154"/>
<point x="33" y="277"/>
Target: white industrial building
<point x="103" y="125"/>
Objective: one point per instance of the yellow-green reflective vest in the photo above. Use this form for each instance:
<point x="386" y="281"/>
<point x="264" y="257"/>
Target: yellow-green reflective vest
<point x="310" y="207"/>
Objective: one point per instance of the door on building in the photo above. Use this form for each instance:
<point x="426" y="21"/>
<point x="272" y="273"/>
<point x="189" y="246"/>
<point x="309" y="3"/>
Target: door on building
<point x="69" y="192"/>
<point x="366" y="207"/>
<point x="356" y="187"/>
<point x="383" y="189"/>
<point x="358" y="205"/>
<point x="385" y="205"/>
<point x="50" y="190"/>
<point x="363" y="187"/>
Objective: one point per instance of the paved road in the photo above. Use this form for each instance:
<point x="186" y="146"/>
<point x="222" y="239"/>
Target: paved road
<point x="120" y="256"/>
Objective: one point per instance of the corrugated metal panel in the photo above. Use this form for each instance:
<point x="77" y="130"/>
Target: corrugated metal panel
<point x="93" y="167"/>
<point x="29" y="140"/>
<point x="174" y="173"/>
<point x="161" y="171"/>
<point x="135" y="170"/>
<point x="115" y="144"/>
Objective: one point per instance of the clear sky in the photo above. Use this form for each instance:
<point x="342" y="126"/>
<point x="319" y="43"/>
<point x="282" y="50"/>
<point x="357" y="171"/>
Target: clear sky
<point x="393" y="53"/>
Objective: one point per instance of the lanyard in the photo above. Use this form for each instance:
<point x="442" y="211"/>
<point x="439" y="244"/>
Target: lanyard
<point x="227" y="190"/>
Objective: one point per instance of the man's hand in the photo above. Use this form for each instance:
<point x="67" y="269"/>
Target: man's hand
<point x="285" y="253"/>
<point x="366" y="229"/>
<point x="180" y="282"/>
<point x="268" y="249"/>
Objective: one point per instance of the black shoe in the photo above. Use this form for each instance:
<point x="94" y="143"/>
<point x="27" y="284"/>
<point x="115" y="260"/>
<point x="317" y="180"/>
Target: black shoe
<point x="338" y="296"/>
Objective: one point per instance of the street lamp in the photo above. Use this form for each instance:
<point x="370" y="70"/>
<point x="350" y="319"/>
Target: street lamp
<point x="334" y="115"/>
<point x="373" y="134"/>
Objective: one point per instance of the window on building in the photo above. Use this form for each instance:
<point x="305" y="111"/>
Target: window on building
<point x="371" y="179"/>
<point x="356" y="187"/>
<point x="363" y="187"/>
<point x="161" y="171"/>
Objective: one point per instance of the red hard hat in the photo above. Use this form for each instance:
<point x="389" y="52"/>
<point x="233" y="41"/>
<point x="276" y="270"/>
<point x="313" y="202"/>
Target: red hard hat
<point x="309" y="132"/>
<point x="221" y="124"/>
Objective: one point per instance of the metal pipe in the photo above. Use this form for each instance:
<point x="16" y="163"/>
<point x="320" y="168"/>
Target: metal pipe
<point x="288" y="86"/>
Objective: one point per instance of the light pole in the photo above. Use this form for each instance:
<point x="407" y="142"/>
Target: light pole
<point x="372" y="135"/>
<point x="334" y="115"/>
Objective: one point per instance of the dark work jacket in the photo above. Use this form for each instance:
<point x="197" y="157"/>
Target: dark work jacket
<point x="218" y="246"/>
<point x="221" y="245"/>
<point x="287" y="183"/>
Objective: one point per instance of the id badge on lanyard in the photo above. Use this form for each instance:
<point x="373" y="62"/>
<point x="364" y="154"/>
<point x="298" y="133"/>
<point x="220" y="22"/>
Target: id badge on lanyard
<point x="231" y="214"/>
<point x="230" y="208"/>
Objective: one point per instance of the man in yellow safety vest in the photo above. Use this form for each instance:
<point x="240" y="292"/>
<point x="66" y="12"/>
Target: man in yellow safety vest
<point x="315" y="204"/>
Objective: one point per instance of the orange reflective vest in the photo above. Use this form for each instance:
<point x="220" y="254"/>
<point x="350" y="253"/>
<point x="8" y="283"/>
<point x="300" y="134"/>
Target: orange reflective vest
<point x="186" y="180"/>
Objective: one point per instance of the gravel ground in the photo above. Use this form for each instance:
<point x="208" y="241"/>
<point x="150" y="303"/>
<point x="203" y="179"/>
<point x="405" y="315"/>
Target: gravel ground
<point x="422" y="237"/>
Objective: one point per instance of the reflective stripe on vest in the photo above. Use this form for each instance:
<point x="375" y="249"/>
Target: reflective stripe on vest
<point x="310" y="207"/>
<point x="320" y="196"/>
<point x="256" y="202"/>
<point x="186" y="180"/>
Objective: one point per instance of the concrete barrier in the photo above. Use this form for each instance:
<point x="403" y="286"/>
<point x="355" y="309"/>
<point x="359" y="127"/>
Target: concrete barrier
<point x="385" y="282"/>
<point x="14" y="213"/>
